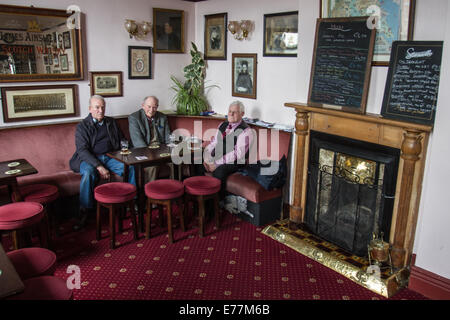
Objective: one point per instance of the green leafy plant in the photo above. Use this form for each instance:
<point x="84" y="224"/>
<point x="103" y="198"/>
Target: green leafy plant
<point x="190" y="97"/>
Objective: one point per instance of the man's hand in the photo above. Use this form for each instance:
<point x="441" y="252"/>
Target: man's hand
<point x="209" y="166"/>
<point x="104" y="173"/>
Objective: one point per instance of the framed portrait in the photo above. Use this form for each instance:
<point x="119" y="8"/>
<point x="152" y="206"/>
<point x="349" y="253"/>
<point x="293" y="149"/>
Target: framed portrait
<point x="215" y="37"/>
<point x="106" y="83"/>
<point x="24" y="103"/>
<point x="139" y="62"/>
<point x="244" y="75"/>
<point x="281" y="34"/>
<point x="392" y="19"/>
<point x="168" y="30"/>
<point x="64" y="62"/>
<point x="29" y="33"/>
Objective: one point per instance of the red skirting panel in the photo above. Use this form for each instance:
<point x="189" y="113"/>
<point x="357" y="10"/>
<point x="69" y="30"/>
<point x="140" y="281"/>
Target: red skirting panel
<point x="429" y="284"/>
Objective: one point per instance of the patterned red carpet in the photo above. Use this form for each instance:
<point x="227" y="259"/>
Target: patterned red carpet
<point x="236" y="262"/>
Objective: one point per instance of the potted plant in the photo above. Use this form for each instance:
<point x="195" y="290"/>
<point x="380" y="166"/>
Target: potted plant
<point x="190" y="98"/>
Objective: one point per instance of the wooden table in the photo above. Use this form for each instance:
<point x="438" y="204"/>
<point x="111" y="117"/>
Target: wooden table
<point x="10" y="282"/>
<point x="11" y="179"/>
<point x="152" y="157"/>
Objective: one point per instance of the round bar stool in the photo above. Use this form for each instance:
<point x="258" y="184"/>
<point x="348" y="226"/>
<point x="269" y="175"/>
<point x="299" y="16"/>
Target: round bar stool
<point x="18" y="216"/>
<point x="114" y="196"/>
<point x="163" y="192"/>
<point x="44" y="288"/>
<point x="45" y="194"/>
<point x="33" y="262"/>
<point x="203" y="188"/>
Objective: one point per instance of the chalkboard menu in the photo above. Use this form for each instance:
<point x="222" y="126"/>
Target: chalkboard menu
<point x="340" y="74"/>
<point x="413" y="81"/>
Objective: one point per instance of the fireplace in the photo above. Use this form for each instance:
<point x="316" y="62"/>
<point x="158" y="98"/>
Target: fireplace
<point x="354" y="175"/>
<point x="350" y="190"/>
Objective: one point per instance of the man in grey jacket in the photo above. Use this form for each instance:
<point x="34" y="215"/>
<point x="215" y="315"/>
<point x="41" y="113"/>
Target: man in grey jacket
<point x="147" y="127"/>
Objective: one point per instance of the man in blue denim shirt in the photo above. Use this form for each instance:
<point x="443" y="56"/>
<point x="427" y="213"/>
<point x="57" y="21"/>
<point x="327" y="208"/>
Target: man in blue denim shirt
<point x="94" y="137"/>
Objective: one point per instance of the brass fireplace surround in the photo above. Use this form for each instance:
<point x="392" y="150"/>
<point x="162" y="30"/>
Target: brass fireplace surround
<point x="411" y="139"/>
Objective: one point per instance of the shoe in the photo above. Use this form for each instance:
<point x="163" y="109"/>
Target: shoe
<point x="82" y="220"/>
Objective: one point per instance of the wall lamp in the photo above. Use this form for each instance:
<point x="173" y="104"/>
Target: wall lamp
<point x="240" y="29"/>
<point x="137" y="30"/>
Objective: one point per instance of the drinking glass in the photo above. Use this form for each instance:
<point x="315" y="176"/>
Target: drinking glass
<point x="124" y="145"/>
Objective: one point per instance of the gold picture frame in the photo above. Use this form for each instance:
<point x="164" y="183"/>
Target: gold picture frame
<point x="168" y="30"/>
<point x="281" y="34"/>
<point x="244" y="69"/>
<point x="215" y="39"/>
<point x="106" y="83"/>
<point x="25" y="103"/>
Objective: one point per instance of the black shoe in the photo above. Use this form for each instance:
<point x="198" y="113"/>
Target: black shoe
<point x="82" y="220"/>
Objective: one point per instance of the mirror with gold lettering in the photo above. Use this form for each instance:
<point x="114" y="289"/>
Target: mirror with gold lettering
<point x="38" y="44"/>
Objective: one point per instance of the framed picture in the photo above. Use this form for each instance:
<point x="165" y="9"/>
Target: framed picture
<point x="244" y="75"/>
<point x="64" y="62"/>
<point x="281" y="34"/>
<point x="392" y="19"/>
<point x="55" y="35"/>
<point x="55" y="61"/>
<point x="139" y="62"/>
<point x="66" y="40"/>
<point x="106" y="83"/>
<point x="215" y="37"/>
<point x="24" y="103"/>
<point x="168" y="30"/>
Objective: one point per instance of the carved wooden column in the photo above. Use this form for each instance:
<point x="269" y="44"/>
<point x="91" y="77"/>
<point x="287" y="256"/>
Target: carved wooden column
<point x="411" y="151"/>
<point x="301" y="130"/>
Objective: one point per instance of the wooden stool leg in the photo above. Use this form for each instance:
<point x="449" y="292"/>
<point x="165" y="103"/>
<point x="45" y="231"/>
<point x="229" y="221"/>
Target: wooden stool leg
<point x="112" y="229"/>
<point x="181" y="209"/>
<point x="216" y="210"/>
<point x="169" y="220"/>
<point x="15" y="239"/>
<point x="201" y="214"/>
<point x="148" y="219"/>
<point x="133" y="219"/>
<point x="98" y="223"/>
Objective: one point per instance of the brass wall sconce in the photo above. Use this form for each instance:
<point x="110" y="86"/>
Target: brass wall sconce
<point x="137" y="30"/>
<point x="240" y="29"/>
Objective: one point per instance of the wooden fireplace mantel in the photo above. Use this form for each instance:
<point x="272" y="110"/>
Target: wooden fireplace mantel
<point x="410" y="138"/>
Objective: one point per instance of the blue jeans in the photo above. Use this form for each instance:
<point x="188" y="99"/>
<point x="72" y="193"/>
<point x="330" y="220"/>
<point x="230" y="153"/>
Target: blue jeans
<point x="90" y="177"/>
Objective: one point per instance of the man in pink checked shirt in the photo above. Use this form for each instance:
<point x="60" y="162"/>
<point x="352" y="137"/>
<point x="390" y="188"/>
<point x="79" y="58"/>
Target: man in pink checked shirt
<point x="229" y="149"/>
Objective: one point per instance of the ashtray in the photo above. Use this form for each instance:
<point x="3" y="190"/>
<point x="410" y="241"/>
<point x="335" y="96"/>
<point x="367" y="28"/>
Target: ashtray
<point x="125" y="152"/>
<point x="13" y="164"/>
<point x="162" y="155"/>
<point x="13" y="171"/>
<point x="153" y="146"/>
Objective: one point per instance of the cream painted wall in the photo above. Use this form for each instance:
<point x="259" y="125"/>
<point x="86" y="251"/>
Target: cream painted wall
<point x="107" y="50"/>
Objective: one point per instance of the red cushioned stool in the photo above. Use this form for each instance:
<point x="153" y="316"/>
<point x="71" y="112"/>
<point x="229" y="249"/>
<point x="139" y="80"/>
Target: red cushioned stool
<point x="203" y="188"/>
<point x="45" y="194"/>
<point x="44" y="288"/>
<point x="33" y="262"/>
<point x="163" y="192"/>
<point x="114" y="196"/>
<point x="19" y="216"/>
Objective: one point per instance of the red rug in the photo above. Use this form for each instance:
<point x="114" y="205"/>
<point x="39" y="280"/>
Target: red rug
<point x="236" y="262"/>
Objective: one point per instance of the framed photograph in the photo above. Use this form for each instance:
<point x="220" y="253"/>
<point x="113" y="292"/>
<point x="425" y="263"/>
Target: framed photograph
<point x="139" y="62"/>
<point x="392" y="19"/>
<point x="106" y="83"/>
<point x="244" y="75"/>
<point x="24" y="103"/>
<point x="281" y="34"/>
<point x="215" y="37"/>
<point x="55" y="61"/>
<point x="64" y="62"/>
<point x="168" y="30"/>
<point x="55" y="37"/>
<point x="66" y="40"/>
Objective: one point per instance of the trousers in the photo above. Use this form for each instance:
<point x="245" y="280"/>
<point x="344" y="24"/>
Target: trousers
<point x="90" y="177"/>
